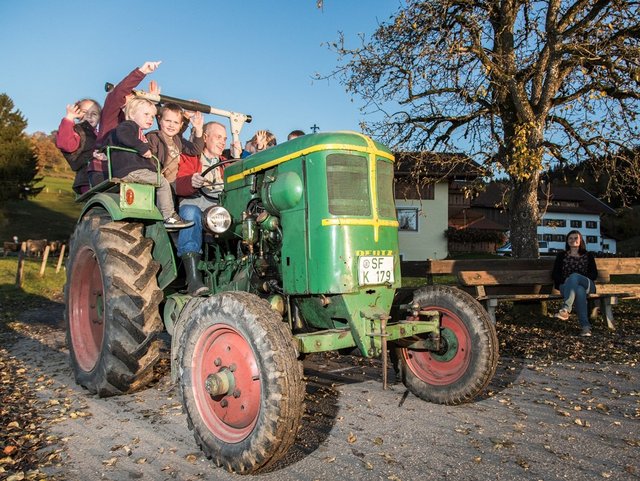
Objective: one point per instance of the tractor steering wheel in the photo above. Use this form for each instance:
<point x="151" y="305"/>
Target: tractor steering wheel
<point x="211" y="190"/>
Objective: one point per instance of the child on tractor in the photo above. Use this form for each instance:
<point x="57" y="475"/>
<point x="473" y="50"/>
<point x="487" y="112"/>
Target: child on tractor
<point x="137" y="165"/>
<point x="76" y="140"/>
<point x="167" y="143"/>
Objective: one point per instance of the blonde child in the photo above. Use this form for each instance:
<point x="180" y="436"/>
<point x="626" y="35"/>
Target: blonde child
<point x="138" y="166"/>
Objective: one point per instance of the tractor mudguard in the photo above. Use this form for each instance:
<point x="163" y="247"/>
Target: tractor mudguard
<point x="118" y="210"/>
<point x="162" y="252"/>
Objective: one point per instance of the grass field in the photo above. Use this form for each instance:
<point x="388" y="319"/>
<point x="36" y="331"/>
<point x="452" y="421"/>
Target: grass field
<point x="34" y="288"/>
<point x="51" y="215"/>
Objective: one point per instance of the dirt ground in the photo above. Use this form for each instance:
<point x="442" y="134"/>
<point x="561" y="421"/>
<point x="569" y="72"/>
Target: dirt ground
<point x="572" y="413"/>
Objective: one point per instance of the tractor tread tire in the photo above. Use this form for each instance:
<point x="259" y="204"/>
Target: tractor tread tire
<point x="281" y="373"/>
<point x="483" y="344"/>
<point x="131" y="317"/>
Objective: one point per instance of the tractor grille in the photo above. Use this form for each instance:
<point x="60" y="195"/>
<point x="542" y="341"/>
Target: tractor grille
<point x="348" y="185"/>
<point x="386" y="204"/>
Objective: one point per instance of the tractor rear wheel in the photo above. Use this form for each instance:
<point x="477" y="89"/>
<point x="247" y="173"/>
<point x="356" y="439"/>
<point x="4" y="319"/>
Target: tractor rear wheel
<point x="468" y="354"/>
<point x="240" y="380"/>
<point x="112" y="305"/>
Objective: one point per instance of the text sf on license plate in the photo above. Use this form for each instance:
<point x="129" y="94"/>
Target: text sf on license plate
<point x="375" y="270"/>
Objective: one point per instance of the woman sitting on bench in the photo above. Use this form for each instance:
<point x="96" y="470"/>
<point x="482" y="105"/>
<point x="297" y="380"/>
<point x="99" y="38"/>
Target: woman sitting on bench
<point x="574" y="273"/>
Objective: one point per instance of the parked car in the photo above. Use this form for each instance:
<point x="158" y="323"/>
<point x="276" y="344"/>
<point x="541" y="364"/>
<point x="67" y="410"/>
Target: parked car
<point x="543" y="249"/>
<point x="505" y="250"/>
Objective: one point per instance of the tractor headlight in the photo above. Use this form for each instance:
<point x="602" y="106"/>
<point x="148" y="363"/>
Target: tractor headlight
<point x="217" y="219"/>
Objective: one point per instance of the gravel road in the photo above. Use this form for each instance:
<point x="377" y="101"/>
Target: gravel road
<point x="539" y="420"/>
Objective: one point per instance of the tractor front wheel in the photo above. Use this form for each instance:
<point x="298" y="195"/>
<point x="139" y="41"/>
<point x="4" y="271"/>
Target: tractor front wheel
<point x="240" y="380"/>
<point x="468" y="354"/>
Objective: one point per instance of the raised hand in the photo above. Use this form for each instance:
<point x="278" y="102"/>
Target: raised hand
<point x="236" y="149"/>
<point x="154" y="88"/>
<point x="261" y="139"/>
<point x="197" y="120"/>
<point x="149" y="67"/>
<point x="73" y="112"/>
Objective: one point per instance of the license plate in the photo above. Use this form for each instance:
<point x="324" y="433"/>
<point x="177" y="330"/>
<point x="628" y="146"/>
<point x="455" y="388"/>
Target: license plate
<point x="375" y="270"/>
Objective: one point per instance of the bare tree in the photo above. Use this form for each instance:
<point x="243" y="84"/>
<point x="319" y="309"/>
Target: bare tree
<point x="515" y="84"/>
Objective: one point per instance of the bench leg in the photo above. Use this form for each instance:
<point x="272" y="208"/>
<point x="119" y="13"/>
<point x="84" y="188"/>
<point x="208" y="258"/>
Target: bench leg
<point x="595" y="307"/>
<point x="608" y="311"/>
<point x="490" y="306"/>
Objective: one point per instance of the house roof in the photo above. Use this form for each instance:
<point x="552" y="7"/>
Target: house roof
<point x="560" y="199"/>
<point x="475" y="220"/>
<point x="437" y="165"/>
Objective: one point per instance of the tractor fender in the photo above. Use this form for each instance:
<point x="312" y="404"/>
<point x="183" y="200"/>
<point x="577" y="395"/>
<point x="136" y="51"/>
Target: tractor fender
<point x="111" y="203"/>
<point x="162" y="252"/>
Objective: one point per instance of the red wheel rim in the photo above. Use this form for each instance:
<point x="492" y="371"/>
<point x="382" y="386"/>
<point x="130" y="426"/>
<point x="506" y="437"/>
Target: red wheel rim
<point x="86" y="304"/>
<point x="229" y="417"/>
<point x="437" y="369"/>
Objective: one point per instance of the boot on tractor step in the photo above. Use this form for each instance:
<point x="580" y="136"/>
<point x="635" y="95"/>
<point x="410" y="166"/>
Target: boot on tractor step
<point x="195" y="286"/>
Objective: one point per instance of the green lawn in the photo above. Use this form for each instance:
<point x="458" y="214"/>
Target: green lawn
<point x="51" y="215"/>
<point x="34" y="288"/>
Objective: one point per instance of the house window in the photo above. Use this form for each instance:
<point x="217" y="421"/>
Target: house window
<point x="592" y="224"/>
<point x="576" y="224"/>
<point x="547" y="237"/>
<point x="605" y="247"/>
<point x="554" y="222"/>
<point x="557" y="238"/>
<point x="592" y="239"/>
<point x="408" y="219"/>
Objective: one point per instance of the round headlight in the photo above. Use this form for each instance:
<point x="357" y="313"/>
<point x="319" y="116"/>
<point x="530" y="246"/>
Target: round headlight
<point x="217" y="219"/>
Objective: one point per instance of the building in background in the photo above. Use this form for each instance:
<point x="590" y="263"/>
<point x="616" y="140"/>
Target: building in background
<point x="562" y="209"/>
<point x="425" y="195"/>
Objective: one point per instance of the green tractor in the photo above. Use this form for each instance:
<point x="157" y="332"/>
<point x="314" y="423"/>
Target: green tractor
<point x="300" y="256"/>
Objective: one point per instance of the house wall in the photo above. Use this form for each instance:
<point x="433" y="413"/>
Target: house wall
<point x="609" y="245"/>
<point x="428" y="241"/>
<point x="555" y="235"/>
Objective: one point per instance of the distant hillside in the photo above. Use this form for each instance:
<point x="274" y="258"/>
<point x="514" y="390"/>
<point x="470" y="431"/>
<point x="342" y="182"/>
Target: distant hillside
<point x="51" y="215"/>
<point x="51" y="162"/>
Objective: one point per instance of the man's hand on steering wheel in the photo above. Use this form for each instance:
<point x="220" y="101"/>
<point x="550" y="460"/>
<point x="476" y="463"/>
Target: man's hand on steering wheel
<point x="197" y="181"/>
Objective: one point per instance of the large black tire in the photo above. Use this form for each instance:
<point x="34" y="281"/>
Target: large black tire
<point x="112" y="305"/>
<point x="469" y="353"/>
<point x="237" y="332"/>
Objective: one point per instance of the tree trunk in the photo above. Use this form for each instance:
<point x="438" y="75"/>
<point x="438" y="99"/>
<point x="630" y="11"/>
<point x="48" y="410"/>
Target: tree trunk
<point x="523" y="217"/>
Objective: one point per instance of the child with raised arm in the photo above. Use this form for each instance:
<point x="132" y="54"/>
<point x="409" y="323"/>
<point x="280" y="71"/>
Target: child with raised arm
<point x="76" y="139"/>
<point x="167" y="143"/>
<point x="112" y="113"/>
<point x="139" y="166"/>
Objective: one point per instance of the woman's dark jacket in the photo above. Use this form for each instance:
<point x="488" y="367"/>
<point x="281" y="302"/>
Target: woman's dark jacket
<point x="559" y="276"/>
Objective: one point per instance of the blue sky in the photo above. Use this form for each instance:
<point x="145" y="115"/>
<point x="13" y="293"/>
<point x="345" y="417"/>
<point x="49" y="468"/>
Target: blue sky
<point x="250" y="56"/>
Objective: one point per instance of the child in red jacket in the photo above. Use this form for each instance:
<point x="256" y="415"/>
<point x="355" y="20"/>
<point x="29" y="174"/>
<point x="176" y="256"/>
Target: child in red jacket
<point x="76" y="139"/>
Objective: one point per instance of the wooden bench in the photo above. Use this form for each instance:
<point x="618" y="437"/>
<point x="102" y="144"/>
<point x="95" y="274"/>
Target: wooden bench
<point x="492" y="281"/>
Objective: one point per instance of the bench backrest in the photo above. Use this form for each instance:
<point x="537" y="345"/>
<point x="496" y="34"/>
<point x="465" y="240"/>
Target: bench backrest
<point x="513" y="277"/>
<point x="614" y="265"/>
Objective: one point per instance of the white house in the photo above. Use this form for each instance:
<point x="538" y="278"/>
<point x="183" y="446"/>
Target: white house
<point x="563" y="209"/>
<point x="423" y="223"/>
<point x="424" y="210"/>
